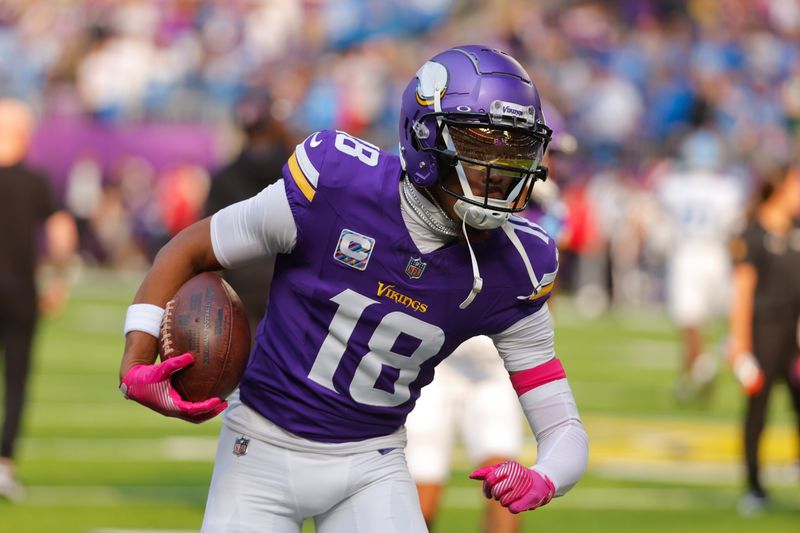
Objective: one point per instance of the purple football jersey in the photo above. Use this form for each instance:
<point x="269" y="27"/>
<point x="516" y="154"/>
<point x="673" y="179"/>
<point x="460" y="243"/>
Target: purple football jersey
<point x="358" y="317"/>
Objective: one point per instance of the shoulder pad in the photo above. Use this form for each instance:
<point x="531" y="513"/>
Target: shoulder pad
<point x="541" y="252"/>
<point x="306" y="162"/>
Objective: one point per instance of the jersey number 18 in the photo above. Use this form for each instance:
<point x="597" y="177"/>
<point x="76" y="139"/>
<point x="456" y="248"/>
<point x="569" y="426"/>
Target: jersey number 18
<point x="362" y="387"/>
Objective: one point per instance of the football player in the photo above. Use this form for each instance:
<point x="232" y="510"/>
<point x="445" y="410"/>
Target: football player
<point x="384" y="265"/>
<point x="704" y="206"/>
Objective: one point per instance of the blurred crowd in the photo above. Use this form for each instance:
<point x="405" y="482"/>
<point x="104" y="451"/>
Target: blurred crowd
<point x="642" y="88"/>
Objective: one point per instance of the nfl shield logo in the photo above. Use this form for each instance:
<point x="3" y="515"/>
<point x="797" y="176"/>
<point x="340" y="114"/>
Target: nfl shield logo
<point x="415" y="268"/>
<point x="240" y="446"/>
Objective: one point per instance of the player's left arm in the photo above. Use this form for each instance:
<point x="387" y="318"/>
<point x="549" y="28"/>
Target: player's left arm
<point x="539" y="379"/>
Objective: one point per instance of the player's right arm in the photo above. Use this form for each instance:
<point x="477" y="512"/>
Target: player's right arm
<point x="188" y="253"/>
<point x="262" y="226"/>
<point x="230" y="238"/>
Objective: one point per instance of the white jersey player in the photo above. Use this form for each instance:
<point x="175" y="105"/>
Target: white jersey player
<point x="704" y="206"/>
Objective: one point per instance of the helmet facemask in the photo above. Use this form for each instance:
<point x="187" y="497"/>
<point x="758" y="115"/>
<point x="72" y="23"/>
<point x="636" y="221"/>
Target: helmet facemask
<point x="496" y="159"/>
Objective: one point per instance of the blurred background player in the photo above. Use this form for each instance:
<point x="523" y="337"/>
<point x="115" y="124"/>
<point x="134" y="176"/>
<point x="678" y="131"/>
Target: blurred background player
<point x="471" y="397"/>
<point x="266" y="147"/>
<point x="547" y="208"/>
<point x="703" y="204"/>
<point x="766" y="309"/>
<point x="26" y="204"/>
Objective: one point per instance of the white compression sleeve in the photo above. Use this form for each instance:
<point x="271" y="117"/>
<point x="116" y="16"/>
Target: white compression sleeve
<point x="261" y="226"/>
<point x="563" y="446"/>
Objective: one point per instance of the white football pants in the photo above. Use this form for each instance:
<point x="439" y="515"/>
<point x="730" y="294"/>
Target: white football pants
<point x="273" y="489"/>
<point x="699" y="281"/>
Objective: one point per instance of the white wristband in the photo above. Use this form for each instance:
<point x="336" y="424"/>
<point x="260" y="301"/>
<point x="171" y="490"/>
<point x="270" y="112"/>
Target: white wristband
<point x="144" y="317"/>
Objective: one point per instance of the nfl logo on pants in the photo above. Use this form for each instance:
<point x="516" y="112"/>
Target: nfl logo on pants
<point x="240" y="446"/>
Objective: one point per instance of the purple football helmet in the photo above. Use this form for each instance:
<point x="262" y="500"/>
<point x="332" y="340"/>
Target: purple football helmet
<point x="474" y="106"/>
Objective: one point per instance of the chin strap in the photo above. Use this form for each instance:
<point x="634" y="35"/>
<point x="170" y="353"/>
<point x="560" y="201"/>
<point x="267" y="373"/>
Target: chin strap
<point x="477" y="281"/>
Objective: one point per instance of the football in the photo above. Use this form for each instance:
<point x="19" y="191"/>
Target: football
<point x="207" y="319"/>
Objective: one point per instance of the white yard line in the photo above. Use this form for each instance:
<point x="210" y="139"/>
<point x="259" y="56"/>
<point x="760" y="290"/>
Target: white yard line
<point x="116" y="450"/>
<point x="105" y="495"/>
<point x="616" y="441"/>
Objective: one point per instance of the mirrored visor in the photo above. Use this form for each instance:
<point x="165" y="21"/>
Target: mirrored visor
<point x="507" y="147"/>
<point x="498" y="162"/>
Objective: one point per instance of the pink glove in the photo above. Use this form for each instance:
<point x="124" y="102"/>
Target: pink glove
<point x="150" y="385"/>
<point x="517" y="487"/>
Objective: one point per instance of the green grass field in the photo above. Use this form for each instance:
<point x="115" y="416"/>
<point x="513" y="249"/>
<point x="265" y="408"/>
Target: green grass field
<point x="93" y="462"/>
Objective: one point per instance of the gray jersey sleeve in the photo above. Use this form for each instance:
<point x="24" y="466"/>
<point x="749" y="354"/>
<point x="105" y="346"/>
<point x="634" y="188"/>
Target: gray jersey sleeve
<point x="261" y="226"/>
<point x="527" y="343"/>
